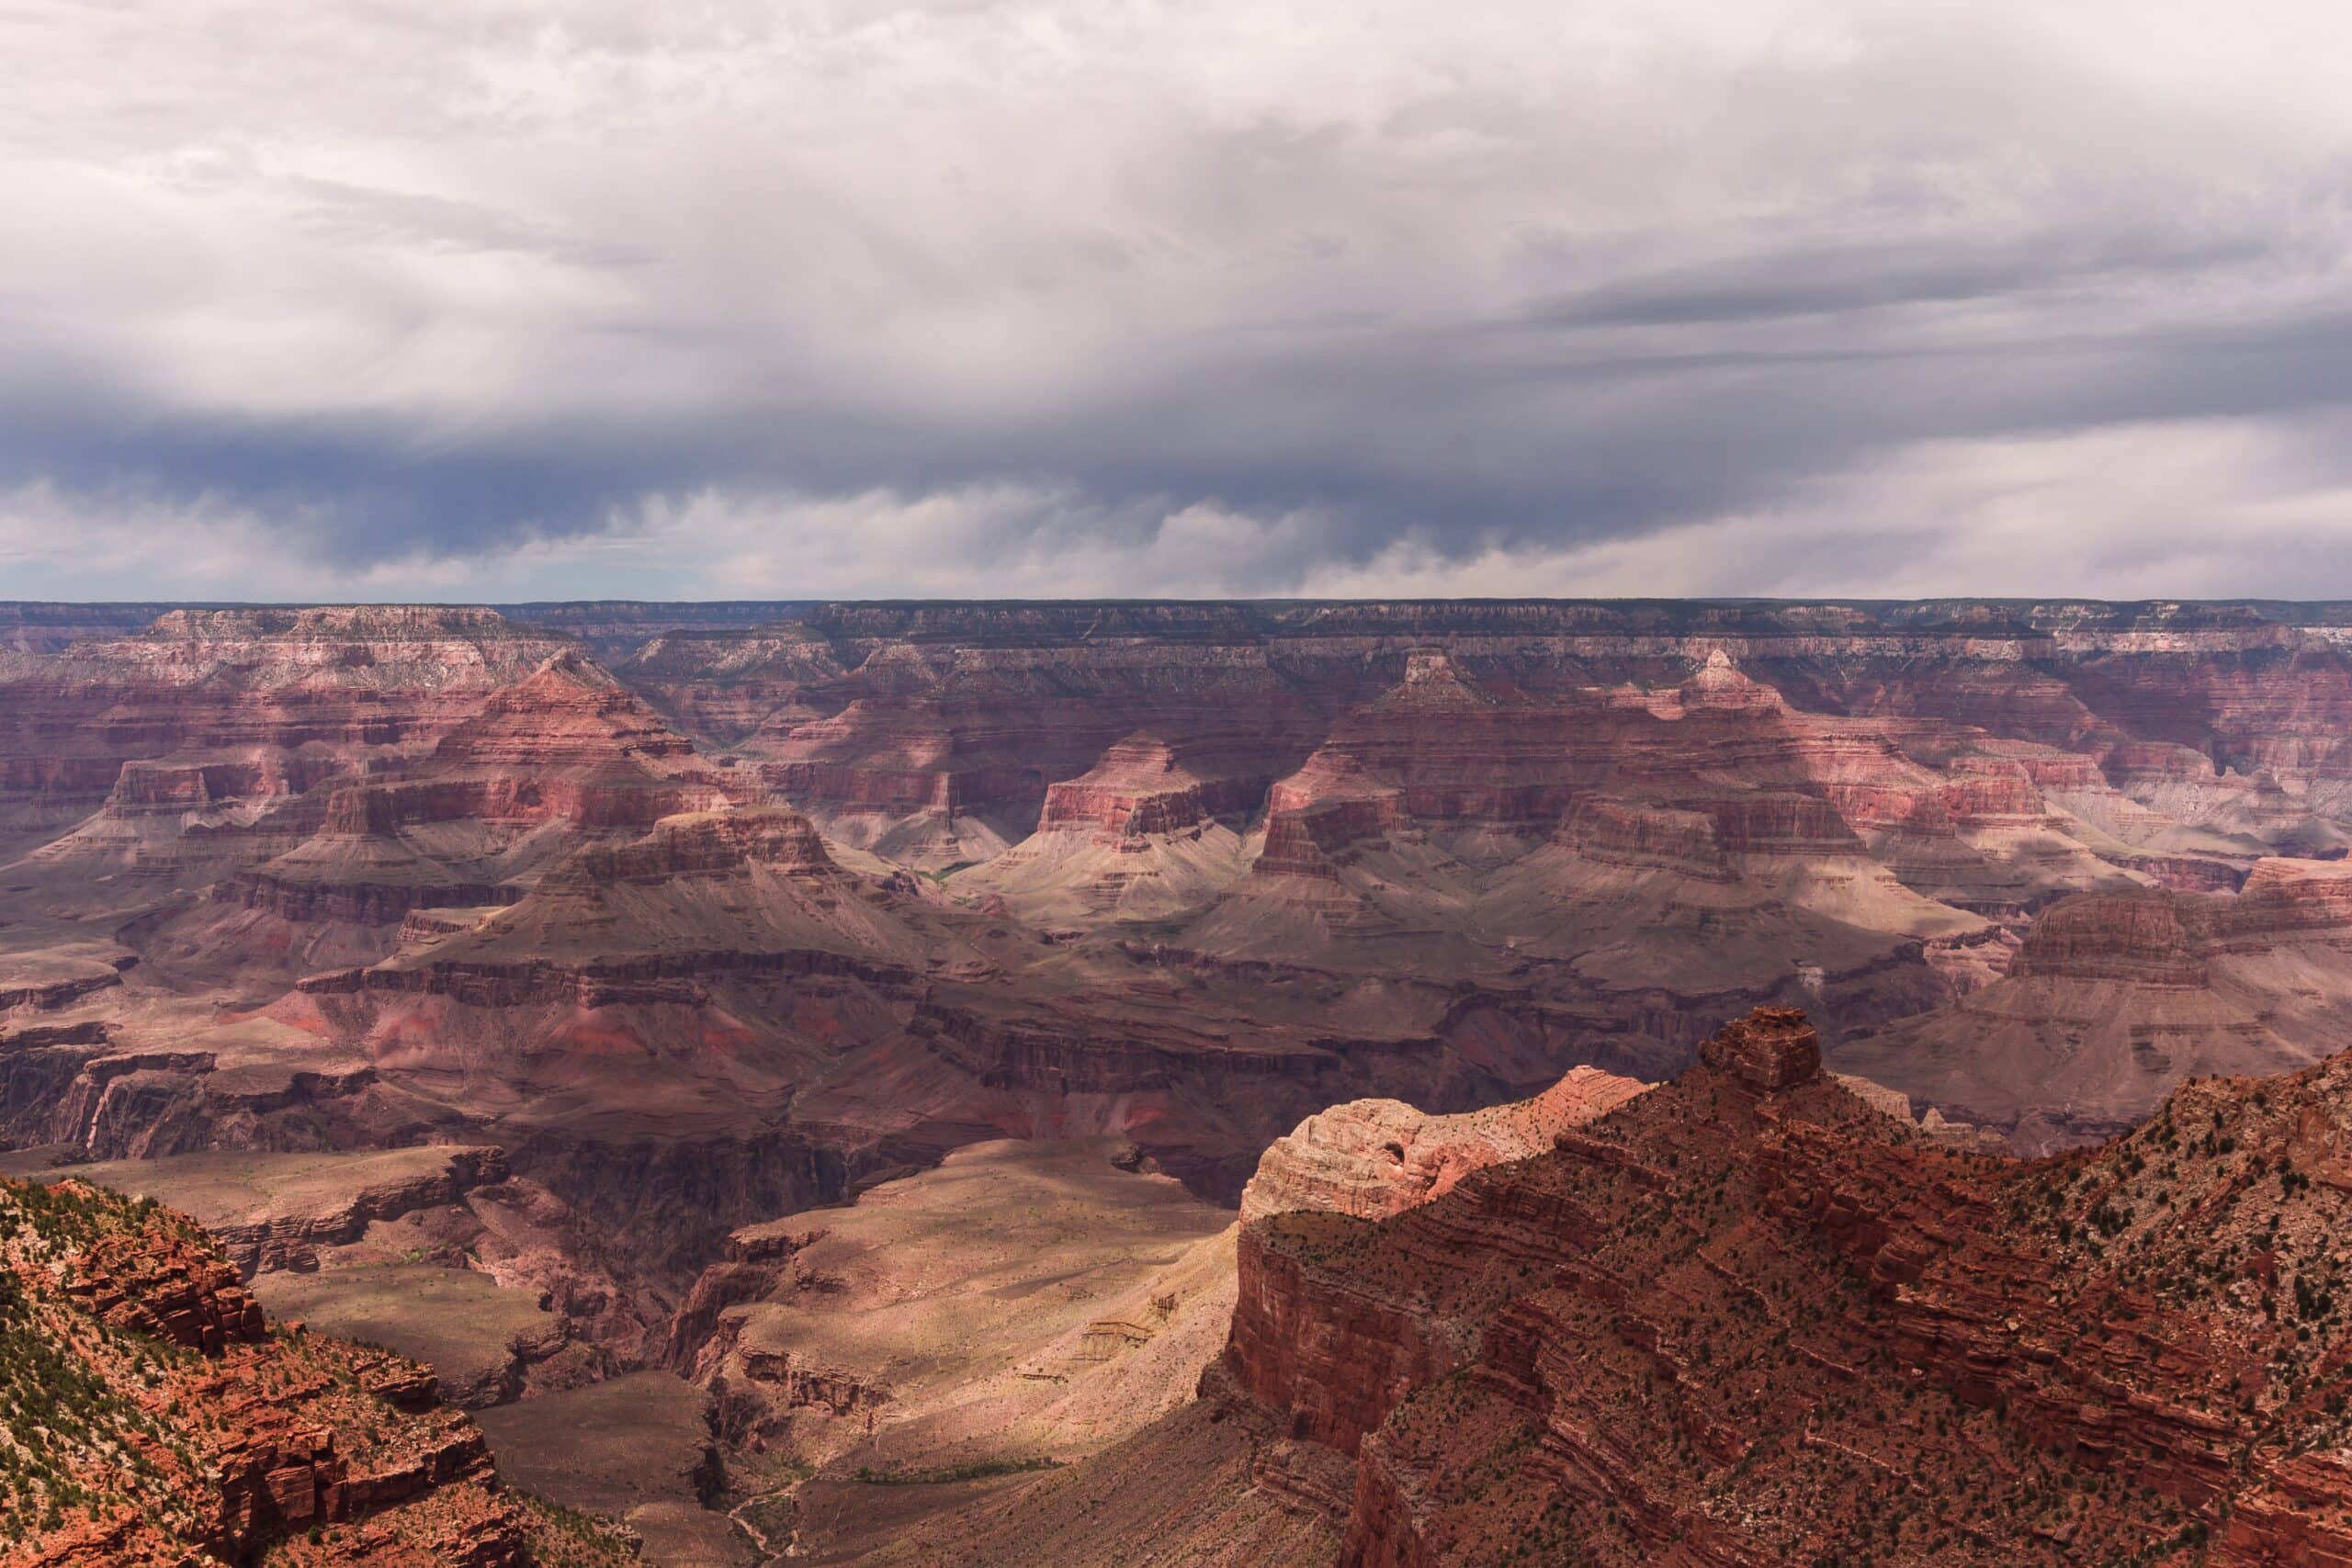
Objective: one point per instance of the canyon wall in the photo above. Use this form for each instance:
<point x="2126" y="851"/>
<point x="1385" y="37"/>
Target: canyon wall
<point x="699" y="916"/>
<point x="1749" y="1318"/>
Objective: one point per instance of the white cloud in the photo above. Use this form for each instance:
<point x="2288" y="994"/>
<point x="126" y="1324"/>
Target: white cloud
<point x="2234" y="508"/>
<point x="1446" y="284"/>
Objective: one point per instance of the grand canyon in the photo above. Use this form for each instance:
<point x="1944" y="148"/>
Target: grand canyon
<point x="1385" y="1082"/>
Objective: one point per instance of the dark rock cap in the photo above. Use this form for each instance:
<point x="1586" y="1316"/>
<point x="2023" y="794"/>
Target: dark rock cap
<point x="1769" y="1050"/>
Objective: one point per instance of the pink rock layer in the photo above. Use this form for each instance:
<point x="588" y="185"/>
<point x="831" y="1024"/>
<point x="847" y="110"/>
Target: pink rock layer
<point x="1373" y="1159"/>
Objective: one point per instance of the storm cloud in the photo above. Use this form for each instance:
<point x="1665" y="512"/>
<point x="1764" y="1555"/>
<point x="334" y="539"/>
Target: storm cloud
<point x="1212" y="297"/>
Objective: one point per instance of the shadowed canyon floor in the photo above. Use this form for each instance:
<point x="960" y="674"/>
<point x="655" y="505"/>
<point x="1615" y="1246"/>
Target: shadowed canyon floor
<point x="864" y="1017"/>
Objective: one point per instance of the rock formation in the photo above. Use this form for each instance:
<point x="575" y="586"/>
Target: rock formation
<point x="1372" y="1158"/>
<point x="704" y="916"/>
<point x="273" y="690"/>
<point x="153" y="1417"/>
<point x="1769" y="1050"/>
<point x="2112" y="998"/>
<point x="1747" y="1318"/>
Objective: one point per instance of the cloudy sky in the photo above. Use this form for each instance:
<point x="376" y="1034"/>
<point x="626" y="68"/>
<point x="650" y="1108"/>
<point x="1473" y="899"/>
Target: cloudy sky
<point x="343" y="298"/>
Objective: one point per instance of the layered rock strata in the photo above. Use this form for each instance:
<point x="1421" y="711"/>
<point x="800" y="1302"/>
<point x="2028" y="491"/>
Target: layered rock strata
<point x="1372" y="1158"/>
<point x="157" y="1418"/>
<point x="2112" y="998"/>
<point x="1747" y="1318"/>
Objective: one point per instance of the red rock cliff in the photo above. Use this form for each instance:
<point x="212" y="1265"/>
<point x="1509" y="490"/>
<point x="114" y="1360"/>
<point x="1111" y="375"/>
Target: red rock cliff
<point x="177" y="1427"/>
<point x="1747" y="1319"/>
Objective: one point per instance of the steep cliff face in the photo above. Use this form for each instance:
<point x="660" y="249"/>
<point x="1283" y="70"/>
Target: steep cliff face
<point x="153" y="1417"/>
<point x="1747" y="1319"/>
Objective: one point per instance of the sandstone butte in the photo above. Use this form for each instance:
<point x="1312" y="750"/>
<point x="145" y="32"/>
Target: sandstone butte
<point x="150" y="1416"/>
<point x="1747" y="1319"/>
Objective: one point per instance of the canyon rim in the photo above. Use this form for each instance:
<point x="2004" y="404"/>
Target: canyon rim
<point x="1386" y="1081"/>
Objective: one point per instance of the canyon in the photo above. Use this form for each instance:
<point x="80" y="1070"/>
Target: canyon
<point x="582" y="997"/>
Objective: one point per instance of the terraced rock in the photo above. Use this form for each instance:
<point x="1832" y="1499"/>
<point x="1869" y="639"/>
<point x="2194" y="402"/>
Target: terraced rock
<point x="152" y="1416"/>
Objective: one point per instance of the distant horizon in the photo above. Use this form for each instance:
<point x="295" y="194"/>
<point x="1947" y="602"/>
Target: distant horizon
<point x="2250" y="601"/>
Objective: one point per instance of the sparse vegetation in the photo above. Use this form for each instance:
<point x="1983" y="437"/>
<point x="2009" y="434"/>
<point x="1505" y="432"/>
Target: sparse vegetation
<point x="945" y="1475"/>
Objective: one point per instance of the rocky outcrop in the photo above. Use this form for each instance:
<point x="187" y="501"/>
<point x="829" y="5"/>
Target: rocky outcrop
<point x="1372" y="1158"/>
<point x="564" y="756"/>
<point x="758" y="1259"/>
<point x="154" y="1282"/>
<point x="2110" y="998"/>
<point x="197" y="785"/>
<point x="1719" y="683"/>
<point x="291" y="1235"/>
<point x="759" y="1391"/>
<point x="359" y="869"/>
<point x="238" y="1439"/>
<point x="1733" y="1326"/>
<point x="1644" y="836"/>
<point x="702" y="844"/>
<point x="1769" y="1050"/>
<point x="2287" y="900"/>
<point x="1140" y="787"/>
<point x="1304" y="832"/>
<point x="1780" y="823"/>
<point x="49" y="985"/>
<point x="566" y="710"/>
<point x="2108" y="937"/>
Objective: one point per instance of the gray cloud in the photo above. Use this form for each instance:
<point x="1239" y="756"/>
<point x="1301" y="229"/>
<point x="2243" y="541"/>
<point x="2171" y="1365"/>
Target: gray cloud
<point x="1879" y="278"/>
<point x="1126" y="297"/>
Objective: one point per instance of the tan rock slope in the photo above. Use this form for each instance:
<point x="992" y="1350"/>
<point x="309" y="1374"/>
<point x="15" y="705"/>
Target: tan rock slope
<point x="1022" y="1305"/>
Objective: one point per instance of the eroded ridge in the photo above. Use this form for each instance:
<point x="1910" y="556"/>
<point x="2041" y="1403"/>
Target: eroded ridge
<point x="1749" y="1318"/>
<point x="151" y="1416"/>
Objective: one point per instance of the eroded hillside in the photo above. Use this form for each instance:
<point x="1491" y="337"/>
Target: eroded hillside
<point x="530" y="964"/>
<point x="152" y="1414"/>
